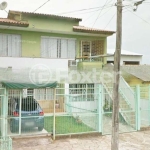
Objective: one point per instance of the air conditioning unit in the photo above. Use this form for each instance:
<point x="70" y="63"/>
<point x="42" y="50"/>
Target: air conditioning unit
<point x="72" y="63"/>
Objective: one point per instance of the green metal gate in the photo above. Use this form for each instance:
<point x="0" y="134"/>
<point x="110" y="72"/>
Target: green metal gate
<point x="127" y="110"/>
<point x="144" y="112"/>
<point x="5" y="140"/>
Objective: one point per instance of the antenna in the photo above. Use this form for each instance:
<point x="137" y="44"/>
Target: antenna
<point x="3" y="5"/>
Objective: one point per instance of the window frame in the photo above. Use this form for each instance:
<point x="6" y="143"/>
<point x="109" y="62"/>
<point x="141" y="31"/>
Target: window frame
<point x="90" y="41"/>
<point x="82" y="91"/>
<point x="12" y="50"/>
<point x="59" y="49"/>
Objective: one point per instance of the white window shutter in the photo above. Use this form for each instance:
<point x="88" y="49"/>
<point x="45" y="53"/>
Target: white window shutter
<point x="16" y="45"/>
<point x="44" y="47"/>
<point x="53" y="47"/>
<point x="57" y="48"/>
<point x="71" y="49"/>
<point x="3" y="45"/>
<point x="64" y="48"/>
<point x="10" y="46"/>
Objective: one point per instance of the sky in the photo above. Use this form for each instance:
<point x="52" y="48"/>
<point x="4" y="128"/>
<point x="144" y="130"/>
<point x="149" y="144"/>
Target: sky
<point x="99" y="14"/>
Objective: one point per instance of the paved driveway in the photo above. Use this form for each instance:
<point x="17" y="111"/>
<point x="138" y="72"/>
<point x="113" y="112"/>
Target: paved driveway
<point x="128" y="141"/>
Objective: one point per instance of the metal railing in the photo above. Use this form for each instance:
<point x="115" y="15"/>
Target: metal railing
<point x="127" y="93"/>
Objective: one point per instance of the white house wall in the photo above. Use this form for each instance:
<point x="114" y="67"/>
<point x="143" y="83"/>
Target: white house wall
<point x="127" y="58"/>
<point x="41" y="69"/>
<point x="21" y="63"/>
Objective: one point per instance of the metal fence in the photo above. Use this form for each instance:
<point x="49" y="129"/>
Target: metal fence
<point x="145" y="105"/>
<point x="75" y="109"/>
<point x="127" y="115"/>
<point x="51" y="111"/>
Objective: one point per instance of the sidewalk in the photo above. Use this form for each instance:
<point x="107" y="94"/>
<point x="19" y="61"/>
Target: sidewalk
<point x="128" y="141"/>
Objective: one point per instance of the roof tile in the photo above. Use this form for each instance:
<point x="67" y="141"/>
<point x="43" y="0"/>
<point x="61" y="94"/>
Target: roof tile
<point x="6" y="21"/>
<point x="91" y="30"/>
<point x="49" y="15"/>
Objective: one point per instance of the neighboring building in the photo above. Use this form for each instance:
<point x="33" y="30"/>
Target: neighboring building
<point x="138" y="75"/>
<point x="134" y="75"/>
<point x="127" y="57"/>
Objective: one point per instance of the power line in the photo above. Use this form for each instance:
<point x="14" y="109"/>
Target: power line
<point x="99" y="16"/>
<point x="138" y="16"/>
<point x="100" y="12"/>
<point x="110" y="20"/>
<point x="114" y="16"/>
<point x="41" y="6"/>
<point x="85" y="9"/>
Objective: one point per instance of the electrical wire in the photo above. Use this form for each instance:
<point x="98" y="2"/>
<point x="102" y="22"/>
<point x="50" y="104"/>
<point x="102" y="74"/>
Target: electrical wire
<point x="113" y="4"/>
<point x="139" y="17"/>
<point x="40" y="6"/>
<point x="100" y="13"/>
<point x="115" y="15"/>
<point x="85" y="9"/>
<point x="110" y="20"/>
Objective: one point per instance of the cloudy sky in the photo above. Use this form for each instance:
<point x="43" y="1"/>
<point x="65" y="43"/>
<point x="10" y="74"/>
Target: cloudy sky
<point x="99" y="14"/>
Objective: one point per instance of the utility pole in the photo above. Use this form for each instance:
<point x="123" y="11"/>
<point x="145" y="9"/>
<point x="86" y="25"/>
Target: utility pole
<point x="115" y="113"/>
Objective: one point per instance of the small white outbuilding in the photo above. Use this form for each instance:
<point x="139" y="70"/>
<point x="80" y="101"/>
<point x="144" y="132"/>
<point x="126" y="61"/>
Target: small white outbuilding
<point x="127" y="57"/>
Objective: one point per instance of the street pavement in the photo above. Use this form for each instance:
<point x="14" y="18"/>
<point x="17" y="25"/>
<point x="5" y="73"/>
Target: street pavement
<point x="127" y="141"/>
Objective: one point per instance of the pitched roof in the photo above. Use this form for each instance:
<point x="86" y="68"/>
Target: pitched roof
<point x="123" y="52"/>
<point x="6" y="21"/>
<point x="48" y="15"/>
<point x="140" y="71"/>
<point x="91" y="30"/>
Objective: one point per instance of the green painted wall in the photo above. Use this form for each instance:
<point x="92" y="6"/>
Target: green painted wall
<point x="46" y="23"/>
<point x="31" y="41"/>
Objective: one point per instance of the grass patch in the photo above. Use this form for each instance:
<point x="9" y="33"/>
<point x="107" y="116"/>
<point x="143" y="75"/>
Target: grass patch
<point x="65" y="124"/>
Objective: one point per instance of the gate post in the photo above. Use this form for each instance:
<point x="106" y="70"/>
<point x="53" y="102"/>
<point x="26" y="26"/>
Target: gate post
<point x="54" y="119"/>
<point x="100" y="108"/>
<point x="149" y="103"/>
<point x="4" y="113"/>
<point x="138" y="107"/>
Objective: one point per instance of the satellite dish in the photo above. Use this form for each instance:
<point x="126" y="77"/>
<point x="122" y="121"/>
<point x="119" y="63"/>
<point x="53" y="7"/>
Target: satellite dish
<point x="3" y="5"/>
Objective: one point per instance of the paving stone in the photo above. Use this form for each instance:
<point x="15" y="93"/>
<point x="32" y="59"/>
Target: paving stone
<point x="127" y="141"/>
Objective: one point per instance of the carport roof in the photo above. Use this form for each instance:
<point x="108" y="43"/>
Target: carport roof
<point x="15" y="85"/>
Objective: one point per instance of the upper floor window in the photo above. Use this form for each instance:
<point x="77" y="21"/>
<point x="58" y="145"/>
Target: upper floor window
<point x="57" y="47"/>
<point x="10" y="45"/>
<point x="92" y="48"/>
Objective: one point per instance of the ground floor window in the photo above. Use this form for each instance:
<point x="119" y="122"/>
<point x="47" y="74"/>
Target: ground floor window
<point x="82" y="92"/>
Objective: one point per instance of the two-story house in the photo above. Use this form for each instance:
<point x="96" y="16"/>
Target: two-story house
<point x="30" y="41"/>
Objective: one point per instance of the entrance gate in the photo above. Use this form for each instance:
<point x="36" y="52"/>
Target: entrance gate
<point x="127" y="110"/>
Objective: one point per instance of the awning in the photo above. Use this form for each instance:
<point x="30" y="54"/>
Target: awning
<point x="14" y="85"/>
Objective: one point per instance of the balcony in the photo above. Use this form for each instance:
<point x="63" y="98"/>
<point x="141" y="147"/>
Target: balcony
<point x="90" y="63"/>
